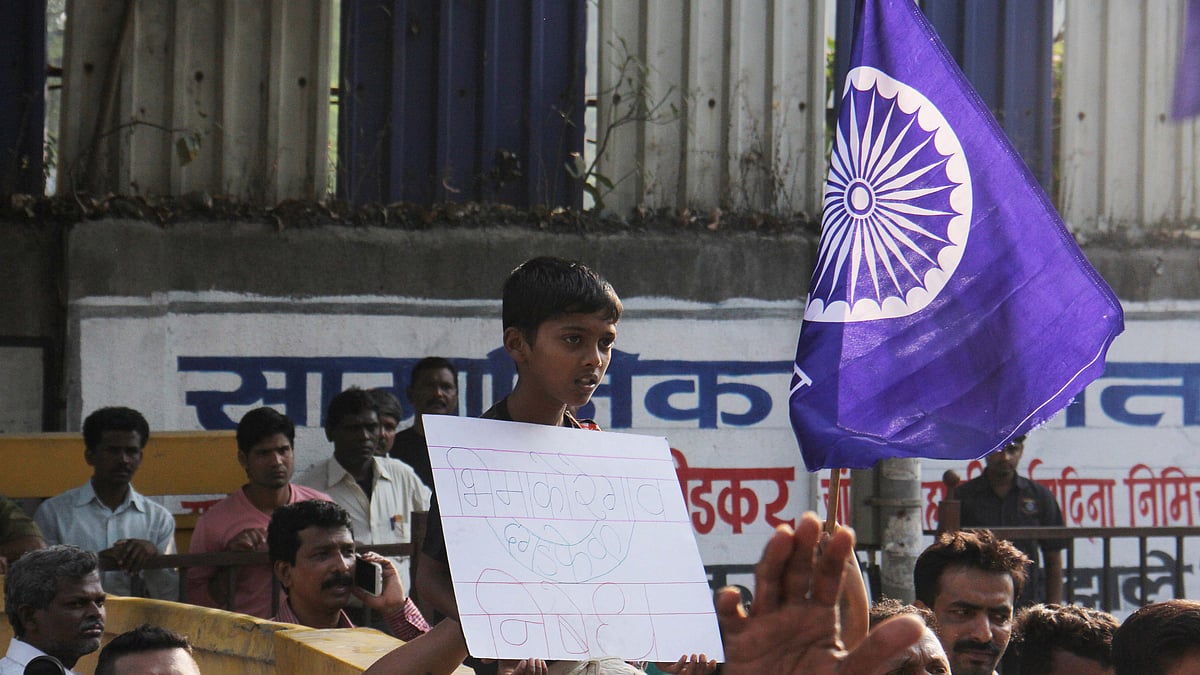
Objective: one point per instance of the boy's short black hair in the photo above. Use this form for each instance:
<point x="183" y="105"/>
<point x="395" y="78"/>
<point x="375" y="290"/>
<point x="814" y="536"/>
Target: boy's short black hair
<point x="546" y="287"/>
<point x="114" y="419"/>
<point x="262" y="423"/>
<point x="283" y="532"/>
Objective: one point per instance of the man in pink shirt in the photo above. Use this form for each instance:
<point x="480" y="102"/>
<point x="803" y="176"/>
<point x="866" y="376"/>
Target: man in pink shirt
<point x="313" y="555"/>
<point x="239" y="522"/>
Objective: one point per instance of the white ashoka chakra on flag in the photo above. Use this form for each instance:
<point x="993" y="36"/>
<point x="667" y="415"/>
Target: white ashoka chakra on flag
<point x="897" y="206"/>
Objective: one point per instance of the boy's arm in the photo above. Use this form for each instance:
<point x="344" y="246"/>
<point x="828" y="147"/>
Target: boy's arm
<point x="440" y="651"/>
<point x="435" y="587"/>
<point x="433" y="583"/>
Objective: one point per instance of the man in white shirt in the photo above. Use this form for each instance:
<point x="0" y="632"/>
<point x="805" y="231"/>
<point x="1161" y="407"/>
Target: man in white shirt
<point x="55" y="605"/>
<point x="380" y="493"/>
<point x="108" y="516"/>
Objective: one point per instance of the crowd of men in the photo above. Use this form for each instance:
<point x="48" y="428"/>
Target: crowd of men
<point x="810" y="612"/>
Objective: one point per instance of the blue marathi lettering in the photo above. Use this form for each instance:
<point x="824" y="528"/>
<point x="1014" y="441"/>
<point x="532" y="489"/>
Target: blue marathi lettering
<point x="708" y="383"/>
<point x="1162" y="381"/>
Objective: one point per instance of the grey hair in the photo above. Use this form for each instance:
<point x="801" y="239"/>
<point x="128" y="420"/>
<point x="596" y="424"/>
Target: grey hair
<point x="32" y="580"/>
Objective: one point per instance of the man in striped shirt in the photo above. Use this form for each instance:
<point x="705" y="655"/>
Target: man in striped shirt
<point x="311" y="544"/>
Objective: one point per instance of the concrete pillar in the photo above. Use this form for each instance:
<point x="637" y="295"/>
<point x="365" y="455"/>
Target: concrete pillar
<point x="899" y="503"/>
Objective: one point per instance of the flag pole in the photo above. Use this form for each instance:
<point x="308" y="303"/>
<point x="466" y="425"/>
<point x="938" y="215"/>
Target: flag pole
<point x="835" y="485"/>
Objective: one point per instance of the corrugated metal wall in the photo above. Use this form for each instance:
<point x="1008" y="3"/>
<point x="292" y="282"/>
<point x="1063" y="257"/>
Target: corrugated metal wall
<point x="461" y="100"/>
<point x="1004" y="48"/>
<point x="711" y="103"/>
<point x="1124" y="162"/>
<point x="225" y="96"/>
<point x="22" y="103"/>
<point x="703" y="103"/>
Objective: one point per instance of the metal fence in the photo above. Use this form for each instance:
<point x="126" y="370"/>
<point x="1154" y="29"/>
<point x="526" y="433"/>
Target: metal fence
<point x="1143" y="583"/>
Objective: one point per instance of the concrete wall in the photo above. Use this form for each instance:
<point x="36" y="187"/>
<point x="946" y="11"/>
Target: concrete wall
<point x="32" y="325"/>
<point x="236" y="644"/>
<point x="449" y="264"/>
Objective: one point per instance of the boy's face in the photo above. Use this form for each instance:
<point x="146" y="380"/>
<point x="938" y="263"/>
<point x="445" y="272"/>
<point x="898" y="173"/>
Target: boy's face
<point x="565" y="359"/>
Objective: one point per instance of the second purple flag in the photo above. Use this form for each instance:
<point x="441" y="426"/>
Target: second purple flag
<point x="950" y="309"/>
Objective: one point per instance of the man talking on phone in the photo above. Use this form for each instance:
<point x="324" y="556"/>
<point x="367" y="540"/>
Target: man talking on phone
<point x="311" y="544"/>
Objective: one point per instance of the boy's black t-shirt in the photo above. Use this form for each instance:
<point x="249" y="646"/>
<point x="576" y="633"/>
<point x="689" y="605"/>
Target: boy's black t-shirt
<point x="434" y="545"/>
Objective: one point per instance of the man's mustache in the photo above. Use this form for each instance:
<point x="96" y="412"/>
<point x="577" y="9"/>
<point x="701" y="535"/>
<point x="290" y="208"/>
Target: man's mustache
<point x="975" y="645"/>
<point x="337" y="580"/>
<point x="90" y="625"/>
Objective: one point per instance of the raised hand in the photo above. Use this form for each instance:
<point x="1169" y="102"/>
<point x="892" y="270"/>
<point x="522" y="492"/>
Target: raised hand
<point x="793" y="626"/>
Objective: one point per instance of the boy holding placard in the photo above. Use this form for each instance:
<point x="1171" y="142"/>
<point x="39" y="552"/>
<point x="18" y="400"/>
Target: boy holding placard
<point x="560" y="324"/>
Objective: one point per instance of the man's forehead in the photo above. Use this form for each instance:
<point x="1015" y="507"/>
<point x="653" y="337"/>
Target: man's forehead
<point x="317" y="536"/>
<point x="114" y="438"/>
<point x="976" y="587"/>
<point x="87" y="585"/>
<point x="431" y="375"/>
<point x="365" y="416"/>
<point x="272" y="442"/>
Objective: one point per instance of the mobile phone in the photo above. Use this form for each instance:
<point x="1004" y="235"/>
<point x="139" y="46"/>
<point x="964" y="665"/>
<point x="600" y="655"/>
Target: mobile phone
<point x="368" y="575"/>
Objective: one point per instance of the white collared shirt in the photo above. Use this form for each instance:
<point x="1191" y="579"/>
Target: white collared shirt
<point x="78" y="517"/>
<point x="384" y="519"/>
<point x="19" y="655"/>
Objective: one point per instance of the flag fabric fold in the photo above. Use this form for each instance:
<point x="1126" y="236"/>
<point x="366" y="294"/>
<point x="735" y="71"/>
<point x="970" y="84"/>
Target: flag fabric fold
<point x="950" y="309"/>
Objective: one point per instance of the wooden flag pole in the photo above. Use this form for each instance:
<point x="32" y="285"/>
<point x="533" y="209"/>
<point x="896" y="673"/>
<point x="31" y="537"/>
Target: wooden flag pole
<point x="835" y="481"/>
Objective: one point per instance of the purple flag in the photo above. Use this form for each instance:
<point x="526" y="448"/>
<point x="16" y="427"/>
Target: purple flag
<point x="950" y="310"/>
<point x="1187" y="74"/>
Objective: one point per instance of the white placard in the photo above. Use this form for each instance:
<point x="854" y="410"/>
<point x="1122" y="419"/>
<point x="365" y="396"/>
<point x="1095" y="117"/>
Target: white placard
<point x="569" y="544"/>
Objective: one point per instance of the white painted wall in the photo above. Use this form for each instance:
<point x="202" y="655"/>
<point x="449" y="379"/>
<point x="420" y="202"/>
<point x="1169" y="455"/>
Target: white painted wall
<point x="130" y="352"/>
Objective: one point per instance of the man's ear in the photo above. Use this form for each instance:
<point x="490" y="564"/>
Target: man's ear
<point x="516" y="344"/>
<point x="243" y="460"/>
<point x="283" y="572"/>
<point x="88" y="456"/>
<point x="25" y="614"/>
